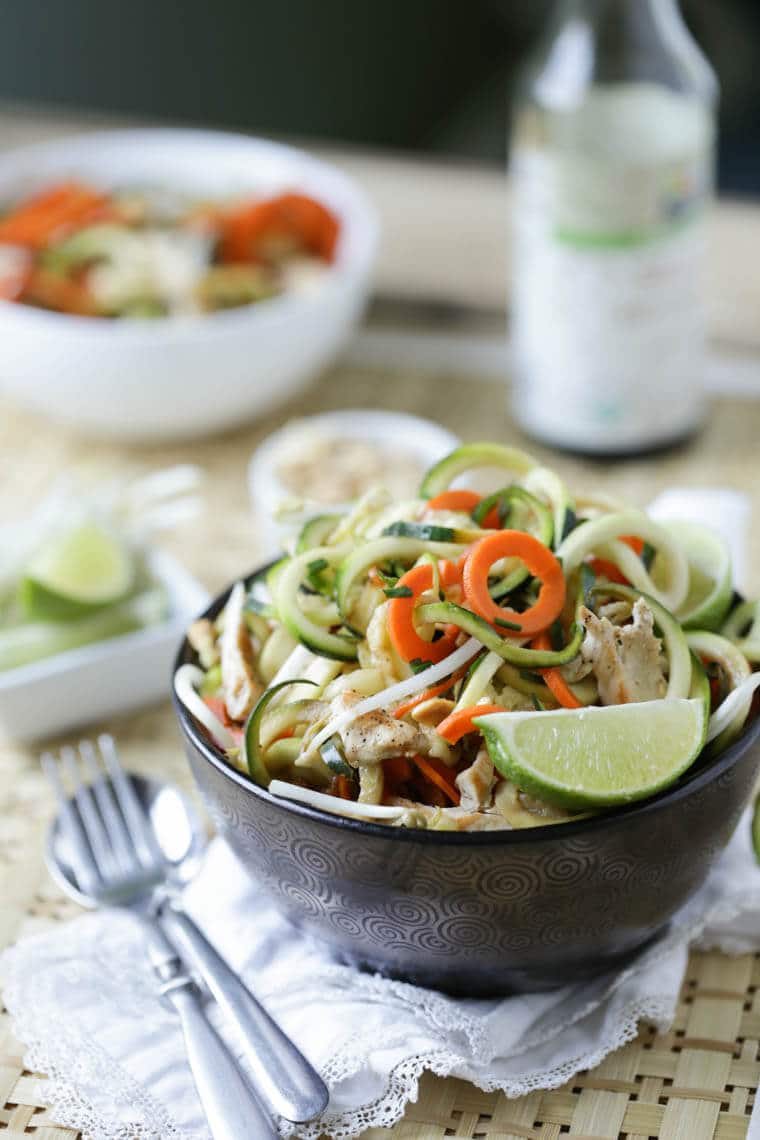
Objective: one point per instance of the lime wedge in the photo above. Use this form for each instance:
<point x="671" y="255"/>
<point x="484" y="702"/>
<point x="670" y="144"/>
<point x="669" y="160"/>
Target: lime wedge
<point x="596" y="757"/>
<point x="83" y="569"/>
<point x="23" y="644"/>
<point x="711" y="585"/>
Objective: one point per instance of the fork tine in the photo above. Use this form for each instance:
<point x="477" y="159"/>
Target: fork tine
<point x="138" y="824"/>
<point x="97" y="837"/>
<point x="113" y="822"/>
<point x="84" y="861"/>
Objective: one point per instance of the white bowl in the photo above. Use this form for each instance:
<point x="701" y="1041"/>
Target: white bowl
<point x="183" y="376"/>
<point x="96" y="681"/>
<point x="419" y="439"/>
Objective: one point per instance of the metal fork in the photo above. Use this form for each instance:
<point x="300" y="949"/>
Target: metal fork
<point x="118" y="862"/>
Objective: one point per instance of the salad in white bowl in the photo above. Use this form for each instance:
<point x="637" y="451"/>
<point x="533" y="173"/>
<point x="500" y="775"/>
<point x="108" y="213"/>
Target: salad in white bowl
<point x="246" y="330"/>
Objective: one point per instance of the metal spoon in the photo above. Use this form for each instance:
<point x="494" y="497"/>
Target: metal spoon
<point x="284" y="1080"/>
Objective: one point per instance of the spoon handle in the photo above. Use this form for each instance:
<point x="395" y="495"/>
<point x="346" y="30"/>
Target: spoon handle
<point x="284" y="1080"/>
<point x="232" y="1111"/>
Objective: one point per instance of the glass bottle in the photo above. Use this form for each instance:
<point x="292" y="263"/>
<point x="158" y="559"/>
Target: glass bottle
<point x="612" y="166"/>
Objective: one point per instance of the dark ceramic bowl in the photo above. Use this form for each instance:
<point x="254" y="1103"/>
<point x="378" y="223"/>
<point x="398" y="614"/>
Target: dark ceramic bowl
<point x="481" y="913"/>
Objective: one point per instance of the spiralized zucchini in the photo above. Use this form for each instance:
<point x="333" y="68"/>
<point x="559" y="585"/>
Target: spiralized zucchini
<point x="600" y="535"/>
<point x="378" y="647"/>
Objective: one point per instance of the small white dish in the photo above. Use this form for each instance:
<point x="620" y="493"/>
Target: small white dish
<point x="184" y="376"/>
<point x="71" y="689"/>
<point x="420" y="440"/>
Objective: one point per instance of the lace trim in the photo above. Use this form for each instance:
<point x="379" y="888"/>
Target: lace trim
<point x="403" y="1080"/>
<point x="70" y="1108"/>
<point x="149" y="1121"/>
<point x="73" y="1062"/>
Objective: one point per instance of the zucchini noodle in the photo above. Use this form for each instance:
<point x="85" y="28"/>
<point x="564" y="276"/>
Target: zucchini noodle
<point x="186" y="682"/>
<point x="743" y="629"/>
<point x="734" y="709"/>
<point x="593" y="535"/>
<point x="407" y="688"/>
<point x="462" y="661"/>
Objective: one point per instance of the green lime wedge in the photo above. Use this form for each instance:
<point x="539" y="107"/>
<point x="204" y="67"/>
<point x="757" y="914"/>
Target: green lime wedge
<point x="596" y="757"/>
<point x="33" y="641"/>
<point x="81" y="570"/>
<point x="711" y="584"/>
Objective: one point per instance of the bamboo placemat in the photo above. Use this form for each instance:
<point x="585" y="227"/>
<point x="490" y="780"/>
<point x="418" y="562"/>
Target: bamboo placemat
<point x="695" y="1083"/>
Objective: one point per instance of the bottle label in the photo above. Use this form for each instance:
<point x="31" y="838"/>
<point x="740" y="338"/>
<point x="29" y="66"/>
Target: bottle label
<point x="608" y="323"/>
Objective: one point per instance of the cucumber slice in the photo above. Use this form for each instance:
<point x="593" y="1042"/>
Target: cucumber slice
<point x="425" y="532"/>
<point x="479" y="679"/>
<point x="546" y="485"/>
<point x="282" y="754"/>
<point x="275" y="652"/>
<point x="405" y="550"/>
<point x="316" y="532"/>
<point x="710" y="576"/>
<point x="308" y="632"/>
<point x="253" y="752"/>
<point x="212" y="682"/>
<point x="716" y="648"/>
<point x="473" y="455"/>
<point x="508" y="500"/>
<point x="591" y="536"/>
<point x="743" y="628"/>
<point x="272" y="575"/>
<point x="332" y="754"/>
<point x="735" y="667"/>
<point x="258" y="598"/>
<point x="676" y="647"/>
<point x="448" y="613"/>
<point x="529" y="685"/>
<point x="700" y="684"/>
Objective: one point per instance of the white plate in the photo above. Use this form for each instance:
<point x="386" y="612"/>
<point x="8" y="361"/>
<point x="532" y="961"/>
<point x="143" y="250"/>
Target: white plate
<point x="72" y="689"/>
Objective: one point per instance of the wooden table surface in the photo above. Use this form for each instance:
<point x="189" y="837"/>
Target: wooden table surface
<point x="698" y="1081"/>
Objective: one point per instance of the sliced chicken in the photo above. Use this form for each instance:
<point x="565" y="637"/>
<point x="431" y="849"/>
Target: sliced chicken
<point x="203" y="640"/>
<point x="377" y="736"/>
<point x="476" y="783"/>
<point x="447" y="819"/>
<point x="371" y="784"/>
<point x="520" y="810"/>
<point x="627" y="660"/>
<point x="378" y="652"/>
<point x="240" y="688"/>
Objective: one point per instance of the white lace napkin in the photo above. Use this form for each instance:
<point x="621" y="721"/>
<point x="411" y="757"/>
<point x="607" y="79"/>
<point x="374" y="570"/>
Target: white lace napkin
<point x="83" y="999"/>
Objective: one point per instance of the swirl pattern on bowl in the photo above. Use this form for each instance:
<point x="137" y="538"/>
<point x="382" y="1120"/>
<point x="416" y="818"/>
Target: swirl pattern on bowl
<point x="487" y="912"/>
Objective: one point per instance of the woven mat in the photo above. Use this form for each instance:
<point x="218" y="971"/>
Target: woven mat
<point x="696" y="1082"/>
